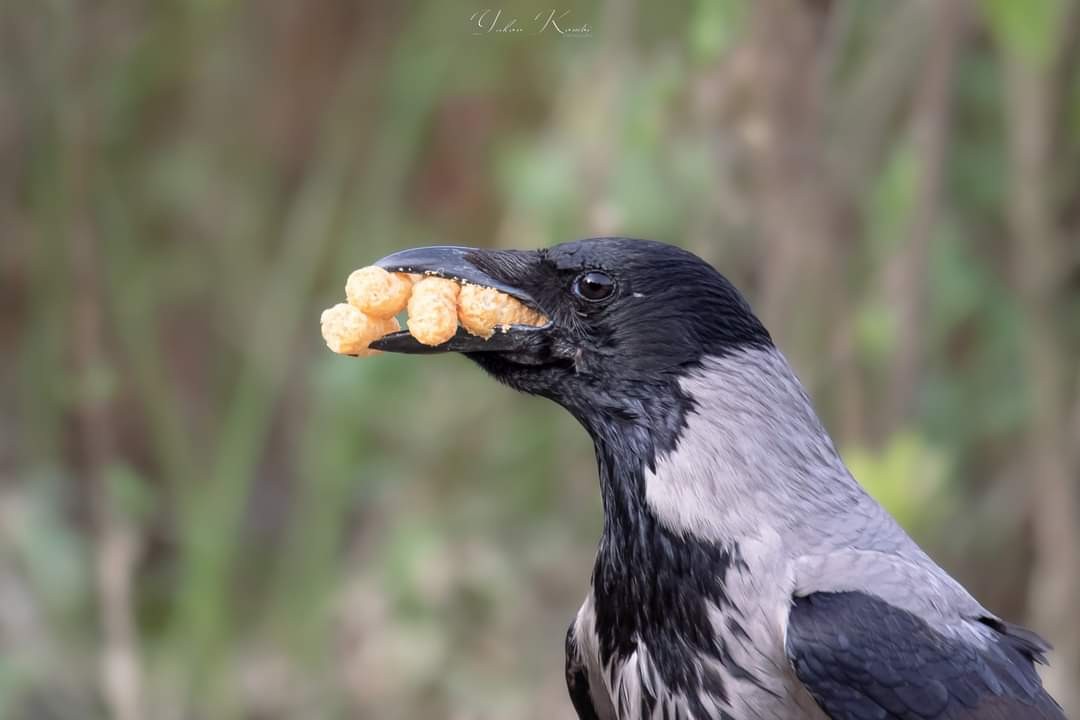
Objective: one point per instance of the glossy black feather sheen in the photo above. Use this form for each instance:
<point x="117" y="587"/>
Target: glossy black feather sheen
<point x="864" y="659"/>
<point x="652" y="586"/>
<point x="604" y="360"/>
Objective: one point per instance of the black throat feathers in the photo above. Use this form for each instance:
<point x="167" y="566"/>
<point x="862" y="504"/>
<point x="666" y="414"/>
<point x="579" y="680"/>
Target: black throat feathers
<point x="650" y="584"/>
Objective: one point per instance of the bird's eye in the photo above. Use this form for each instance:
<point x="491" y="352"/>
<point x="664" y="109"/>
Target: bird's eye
<point x="594" y="286"/>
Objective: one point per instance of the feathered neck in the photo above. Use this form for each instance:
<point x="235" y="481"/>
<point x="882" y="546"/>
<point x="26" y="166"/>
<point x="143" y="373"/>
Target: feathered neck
<point x="752" y="454"/>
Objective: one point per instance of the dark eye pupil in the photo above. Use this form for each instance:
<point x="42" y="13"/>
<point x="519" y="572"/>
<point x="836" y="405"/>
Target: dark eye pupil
<point x="594" y="286"/>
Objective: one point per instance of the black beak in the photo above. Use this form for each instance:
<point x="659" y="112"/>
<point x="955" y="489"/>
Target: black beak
<point x="458" y="263"/>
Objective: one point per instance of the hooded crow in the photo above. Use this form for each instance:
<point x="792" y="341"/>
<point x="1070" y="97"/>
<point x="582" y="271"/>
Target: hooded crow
<point x="742" y="573"/>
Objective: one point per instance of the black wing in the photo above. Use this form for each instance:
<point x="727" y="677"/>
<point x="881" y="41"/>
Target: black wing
<point x="577" y="680"/>
<point x="862" y="658"/>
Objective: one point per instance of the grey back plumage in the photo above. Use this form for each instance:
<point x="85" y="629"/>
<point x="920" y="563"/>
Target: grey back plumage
<point x="754" y="470"/>
<point x="755" y="459"/>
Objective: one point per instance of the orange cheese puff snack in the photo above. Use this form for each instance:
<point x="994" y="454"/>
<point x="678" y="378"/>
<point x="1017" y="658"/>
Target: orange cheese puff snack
<point x="348" y="331"/>
<point x="482" y="309"/>
<point x="433" y="310"/>
<point x="378" y="293"/>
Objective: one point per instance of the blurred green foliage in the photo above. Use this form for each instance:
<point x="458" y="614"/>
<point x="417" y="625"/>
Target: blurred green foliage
<point x="907" y="476"/>
<point x="320" y="537"/>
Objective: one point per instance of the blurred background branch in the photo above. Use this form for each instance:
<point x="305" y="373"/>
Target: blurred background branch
<point x="203" y="514"/>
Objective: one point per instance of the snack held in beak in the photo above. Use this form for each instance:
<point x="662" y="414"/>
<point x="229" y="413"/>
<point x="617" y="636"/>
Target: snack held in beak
<point x="435" y="306"/>
<point x="349" y="332"/>
<point x="482" y="309"/>
<point x="433" y="310"/>
<point x="378" y="293"/>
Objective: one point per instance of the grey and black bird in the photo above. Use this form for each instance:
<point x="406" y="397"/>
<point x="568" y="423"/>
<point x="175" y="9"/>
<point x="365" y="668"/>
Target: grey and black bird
<point x="742" y="573"/>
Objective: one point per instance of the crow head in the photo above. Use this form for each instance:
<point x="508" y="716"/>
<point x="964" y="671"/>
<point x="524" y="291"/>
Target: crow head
<point x="628" y="318"/>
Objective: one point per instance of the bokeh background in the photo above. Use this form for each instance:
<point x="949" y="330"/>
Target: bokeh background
<point x="205" y="514"/>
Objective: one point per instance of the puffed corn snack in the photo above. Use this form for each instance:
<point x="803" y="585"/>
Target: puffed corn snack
<point x="435" y="305"/>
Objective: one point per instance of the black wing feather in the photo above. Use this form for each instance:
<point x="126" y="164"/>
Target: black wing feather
<point x="862" y="658"/>
<point x="577" y="680"/>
